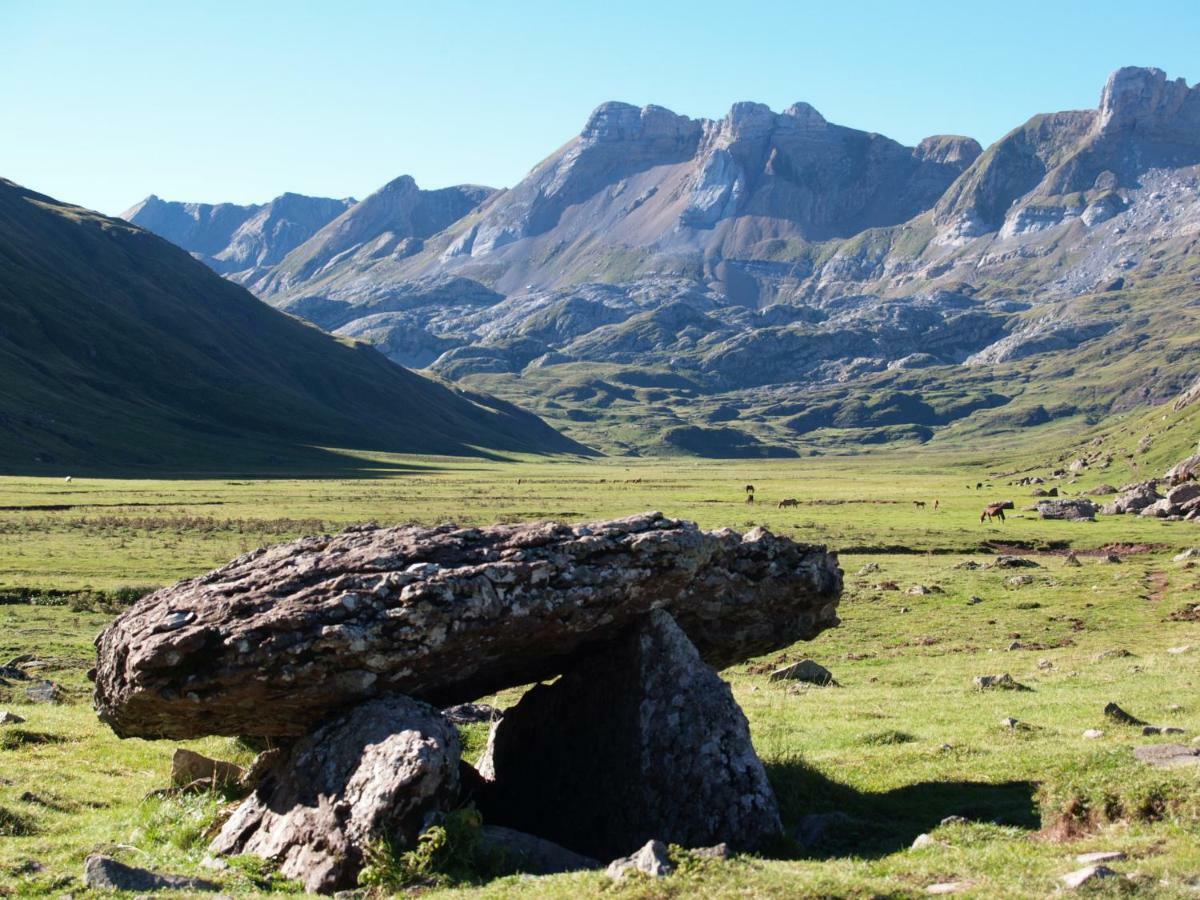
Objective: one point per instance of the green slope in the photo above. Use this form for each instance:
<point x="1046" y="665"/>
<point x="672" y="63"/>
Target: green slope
<point x="118" y="351"/>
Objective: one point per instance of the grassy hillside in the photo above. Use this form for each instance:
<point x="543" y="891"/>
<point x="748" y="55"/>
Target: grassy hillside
<point x="119" y="351"/>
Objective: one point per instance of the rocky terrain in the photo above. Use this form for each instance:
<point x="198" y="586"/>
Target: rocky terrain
<point x="771" y="282"/>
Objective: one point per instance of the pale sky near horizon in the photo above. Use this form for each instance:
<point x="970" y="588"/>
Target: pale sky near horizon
<point x="102" y="103"/>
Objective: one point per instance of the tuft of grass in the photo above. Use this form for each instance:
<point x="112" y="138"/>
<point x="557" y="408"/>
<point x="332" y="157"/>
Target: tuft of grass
<point x="447" y="853"/>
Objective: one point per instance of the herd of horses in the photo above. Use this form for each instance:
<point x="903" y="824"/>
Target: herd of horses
<point x="990" y="512"/>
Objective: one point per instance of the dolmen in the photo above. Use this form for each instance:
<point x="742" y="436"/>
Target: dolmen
<point x="341" y="650"/>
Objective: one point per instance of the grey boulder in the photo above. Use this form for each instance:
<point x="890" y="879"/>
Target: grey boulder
<point x="106" y="873"/>
<point x="373" y="774"/>
<point x="646" y="741"/>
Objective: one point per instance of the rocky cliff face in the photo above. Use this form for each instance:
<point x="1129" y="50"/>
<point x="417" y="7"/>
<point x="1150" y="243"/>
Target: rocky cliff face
<point x="239" y="241"/>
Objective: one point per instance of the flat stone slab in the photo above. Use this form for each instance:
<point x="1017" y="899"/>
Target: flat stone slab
<point x="277" y="640"/>
<point x="1168" y="756"/>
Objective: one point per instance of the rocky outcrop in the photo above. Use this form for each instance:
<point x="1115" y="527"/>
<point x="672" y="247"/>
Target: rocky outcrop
<point x="646" y="741"/>
<point x="273" y="642"/>
<point x="371" y="775"/>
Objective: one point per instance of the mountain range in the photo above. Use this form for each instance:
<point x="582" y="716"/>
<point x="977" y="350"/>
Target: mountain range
<point x="771" y="283"/>
<point x="118" y="350"/>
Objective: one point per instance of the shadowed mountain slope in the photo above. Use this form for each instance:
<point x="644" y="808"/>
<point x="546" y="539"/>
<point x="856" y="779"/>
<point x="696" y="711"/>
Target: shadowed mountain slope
<point x="119" y="350"/>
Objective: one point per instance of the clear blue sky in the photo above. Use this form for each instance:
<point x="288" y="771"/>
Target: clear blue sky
<point x="104" y="102"/>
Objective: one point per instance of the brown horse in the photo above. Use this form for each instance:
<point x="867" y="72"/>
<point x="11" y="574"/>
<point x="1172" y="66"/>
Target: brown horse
<point x="750" y="498"/>
<point x="749" y="489"/>
<point x="919" y="504"/>
<point x="995" y="511"/>
<point x="788" y="501"/>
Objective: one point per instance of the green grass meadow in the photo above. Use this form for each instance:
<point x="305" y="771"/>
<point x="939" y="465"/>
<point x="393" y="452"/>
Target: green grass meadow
<point x="902" y="744"/>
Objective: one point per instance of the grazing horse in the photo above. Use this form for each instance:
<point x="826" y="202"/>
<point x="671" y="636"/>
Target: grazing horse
<point x="750" y="498"/>
<point x="788" y="501"/>
<point x="749" y="489"/>
<point x="936" y="505"/>
<point x="919" y="504"/>
<point x="995" y="511"/>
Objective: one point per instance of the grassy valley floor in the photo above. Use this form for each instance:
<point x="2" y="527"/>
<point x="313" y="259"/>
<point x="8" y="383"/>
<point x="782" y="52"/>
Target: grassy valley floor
<point x="905" y="743"/>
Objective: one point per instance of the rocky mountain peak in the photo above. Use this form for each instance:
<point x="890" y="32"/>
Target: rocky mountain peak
<point x="616" y="122"/>
<point x="805" y="116"/>
<point x="948" y="149"/>
<point x="1136" y="98"/>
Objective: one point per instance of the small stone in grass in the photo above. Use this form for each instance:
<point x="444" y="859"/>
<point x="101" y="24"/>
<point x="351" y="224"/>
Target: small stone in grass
<point x="1100" y="856"/>
<point x="1093" y="734"/>
<point x="1087" y="875"/>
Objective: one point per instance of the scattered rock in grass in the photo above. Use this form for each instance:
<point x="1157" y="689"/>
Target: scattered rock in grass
<point x="1114" y="712"/>
<point x="651" y="859"/>
<point x="999" y="682"/>
<point x="1088" y="875"/>
<point x="1071" y="510"/>
<point x="868" y="569"/>
<point x="949" y="887"/>
<point x="104" y="872"/>
<point x="717" y="851"/>
<point x="471" y="713"/>
<point x="919" y="590"/>
<point x="1178" y="650"/>
<point x="972" y="601"/>
<point x="1015" y="645"/>
<point x="922" y="841"/>
<point x="532" y="855"/>
<point x="1112" y="558"/>
<point x="1071" y="560"/>
<point x="44" y="691"/>
<point x="189" y="767"/>
<point x="10" y="718"/>
<point x="1168" y="756"/>
<point x="1151" y="730"/>
<point x="806" y="670"/>
<point x="1018" y="580"/>
<point x="1101" y="490"/>
<point x="1013" y="562"/>
<point x="1100" y="856"/>
<point x="905" y="609"/>
<point x="969" y="564"/>
<point x="953" y="820"/>
<point x="1045" y="664"/>
<point x="1010" y="723"/>
<point x="886" y="586"/>
<point x="1093" y="734"/>
<point x="1190" y="553"/>
<point x="1115" y="653"/>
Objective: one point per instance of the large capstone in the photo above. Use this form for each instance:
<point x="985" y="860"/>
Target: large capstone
<point x="371" y="775"/>
<point x="639" y="740"/>
<point x="276" y="641"/>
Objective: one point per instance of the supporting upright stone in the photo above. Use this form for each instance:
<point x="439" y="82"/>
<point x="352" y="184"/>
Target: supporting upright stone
<point x="372" y="774"/>
<point x="640" y="740"/>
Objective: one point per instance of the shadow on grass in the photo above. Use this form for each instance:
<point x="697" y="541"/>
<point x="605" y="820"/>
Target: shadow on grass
<point x="15" y="738"/>
<point x="831" y="819"/>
